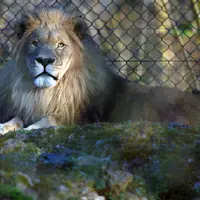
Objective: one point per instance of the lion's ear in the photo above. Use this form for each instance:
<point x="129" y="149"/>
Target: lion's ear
<point x="80" y="27"/>
<point x="21" y="26"/>
<point x="28" y="20"/>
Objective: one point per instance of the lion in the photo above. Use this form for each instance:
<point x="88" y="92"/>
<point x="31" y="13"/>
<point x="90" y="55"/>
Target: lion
<point x="58" y="76"/>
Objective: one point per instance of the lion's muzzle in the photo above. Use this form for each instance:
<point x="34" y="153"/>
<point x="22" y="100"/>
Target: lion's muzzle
<point x="42" y="68"/>
<point x="45" y="61"/>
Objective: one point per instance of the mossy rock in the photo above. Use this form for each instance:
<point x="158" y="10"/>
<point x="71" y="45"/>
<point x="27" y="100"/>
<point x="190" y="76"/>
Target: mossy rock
<point x="12" y="193"/>
<point x="101" y="161"/>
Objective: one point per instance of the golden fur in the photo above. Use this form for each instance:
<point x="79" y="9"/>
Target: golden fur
<point x="88" y="91"/>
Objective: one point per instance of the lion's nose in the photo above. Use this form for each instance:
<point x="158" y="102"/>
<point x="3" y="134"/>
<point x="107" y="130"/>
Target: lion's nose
<point x="45" y="61"/>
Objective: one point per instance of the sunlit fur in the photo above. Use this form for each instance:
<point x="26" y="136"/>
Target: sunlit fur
<point x="82" y="81"/>
<point x="86" y="90"/>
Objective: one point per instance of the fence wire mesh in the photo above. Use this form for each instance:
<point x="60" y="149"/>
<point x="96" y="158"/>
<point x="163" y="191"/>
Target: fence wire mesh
<point x="153" y="42"/>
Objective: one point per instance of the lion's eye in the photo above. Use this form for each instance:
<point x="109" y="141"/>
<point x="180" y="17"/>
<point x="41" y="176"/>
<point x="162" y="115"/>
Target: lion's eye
<point x="35" y="43"/>
<point x="61" y="45"/>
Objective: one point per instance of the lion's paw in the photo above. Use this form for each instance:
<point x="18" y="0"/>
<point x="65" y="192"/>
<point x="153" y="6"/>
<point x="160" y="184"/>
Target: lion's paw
<point x="45" y="122"/>
<point x="33" y="126"/>
<point x="4" y="128"/>
<point x="14" y="124"/>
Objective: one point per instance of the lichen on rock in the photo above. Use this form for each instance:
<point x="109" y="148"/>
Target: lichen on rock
<point x="101" y="161"/>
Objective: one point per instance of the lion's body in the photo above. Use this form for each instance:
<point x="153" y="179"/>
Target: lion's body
<point x="157" y="104"/>
<point x="87" y="91"/>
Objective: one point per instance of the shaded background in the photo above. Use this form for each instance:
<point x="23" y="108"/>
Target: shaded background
<point x="152" y="42"/>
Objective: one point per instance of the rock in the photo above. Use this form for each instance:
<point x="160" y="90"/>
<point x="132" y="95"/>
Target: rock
<point x="101" y="161"/>
<point x="54" y="160"/>
<point x="118" y="180"/>
<point x="12" y="145"/>
<point x="92" y="196"/>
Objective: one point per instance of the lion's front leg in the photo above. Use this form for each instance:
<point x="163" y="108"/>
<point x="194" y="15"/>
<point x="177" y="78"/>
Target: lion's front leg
<point x="43" y="123"/>
<point x="14" y="124"/>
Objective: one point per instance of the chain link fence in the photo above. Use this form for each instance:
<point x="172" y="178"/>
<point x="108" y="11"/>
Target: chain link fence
<point x="152" y="42"/>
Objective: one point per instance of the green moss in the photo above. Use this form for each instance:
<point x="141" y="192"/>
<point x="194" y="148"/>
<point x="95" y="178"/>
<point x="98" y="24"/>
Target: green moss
<point x="12" y="193"/>
<point x="160" y="160"/>
<point x="6" y="137"/>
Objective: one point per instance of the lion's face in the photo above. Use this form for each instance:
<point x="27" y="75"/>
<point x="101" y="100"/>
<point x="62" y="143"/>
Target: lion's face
<point x="50" y="43"/>
<point x="48" y="56"/>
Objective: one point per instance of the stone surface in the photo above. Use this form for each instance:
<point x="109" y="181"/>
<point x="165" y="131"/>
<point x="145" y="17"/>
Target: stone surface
<point x="127" y="161"/>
